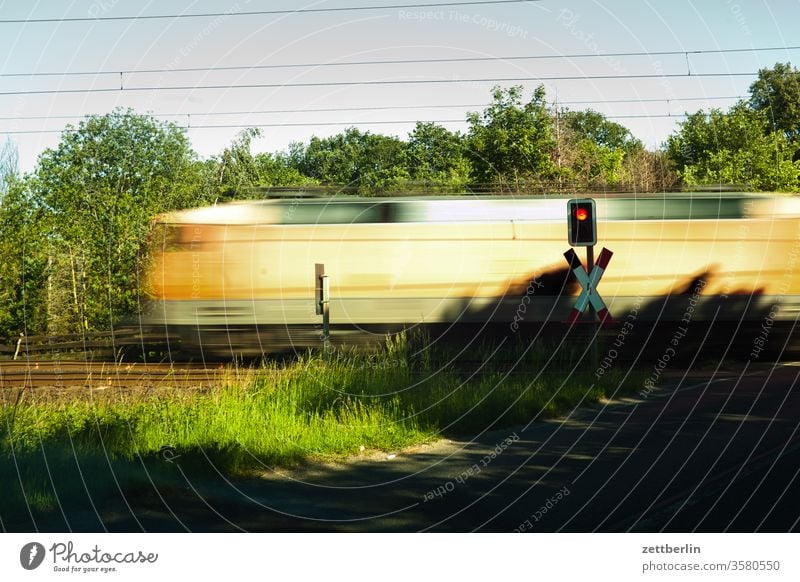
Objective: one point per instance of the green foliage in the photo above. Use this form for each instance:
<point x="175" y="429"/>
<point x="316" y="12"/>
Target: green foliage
<point x="277" y="170"/>
<point x="9" y="157"/>
<point x="733" y="148"/>
<point x="381" y="165"/>
<point x="367" y="161"/>
<point x="592" y="151"/>
<point x="596" y="128"/>
<point x="235" y="169"/>
<point x="511" y="143"/>
<point x="776" y="92"/>
<point x="24" y="264"/>
<point x="596" y="165"/>
<point x="435" y="158"/>
<point x="99" y="190"/>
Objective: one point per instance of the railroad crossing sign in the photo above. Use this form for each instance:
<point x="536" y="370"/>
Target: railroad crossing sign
<point x="589" y="281"/>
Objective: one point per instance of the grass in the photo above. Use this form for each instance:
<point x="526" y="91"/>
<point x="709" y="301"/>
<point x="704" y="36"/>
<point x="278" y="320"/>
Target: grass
<point x="278" y="414"/>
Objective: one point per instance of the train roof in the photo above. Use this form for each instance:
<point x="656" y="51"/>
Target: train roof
<point x="486" y="208"/>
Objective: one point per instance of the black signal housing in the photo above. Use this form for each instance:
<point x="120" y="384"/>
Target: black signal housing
<point x="581" y="222"/>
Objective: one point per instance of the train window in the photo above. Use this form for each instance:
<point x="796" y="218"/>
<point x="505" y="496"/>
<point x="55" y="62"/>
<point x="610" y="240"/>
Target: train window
<point x="335" y="213"/>
<point x="673" y="208"/>
<point x="669" y="207"/>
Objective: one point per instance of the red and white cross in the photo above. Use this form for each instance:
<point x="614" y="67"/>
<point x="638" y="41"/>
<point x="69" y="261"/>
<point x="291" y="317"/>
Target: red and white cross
<point x="588" y="282"/>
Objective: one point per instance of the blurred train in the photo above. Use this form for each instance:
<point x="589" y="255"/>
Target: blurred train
<point x="239" y="278"/>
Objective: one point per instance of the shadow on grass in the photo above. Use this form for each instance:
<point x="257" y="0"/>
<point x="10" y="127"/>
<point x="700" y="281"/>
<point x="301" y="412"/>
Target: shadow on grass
<point x="68" y="460"/>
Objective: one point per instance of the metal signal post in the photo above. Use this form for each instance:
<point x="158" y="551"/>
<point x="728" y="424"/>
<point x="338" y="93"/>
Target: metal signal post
<point x="582" y="232"/>
<point x="323" y="295"/>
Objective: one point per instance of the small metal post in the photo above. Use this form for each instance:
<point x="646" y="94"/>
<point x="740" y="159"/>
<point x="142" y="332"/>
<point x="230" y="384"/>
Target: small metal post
<point x="323" y="294"/>
<point x="326" y="315"/>
<point x="590" y="262"/>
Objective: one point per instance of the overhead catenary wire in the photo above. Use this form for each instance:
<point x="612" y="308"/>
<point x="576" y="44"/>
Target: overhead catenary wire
<point x="399" y="122"/>
<point x="384" y="62"/>
<point x="341" y="123"/>
<point x="381" y="108"/>
<point x="229" y="87"/>
<point x="297" y="11"/>
<point x="195" y="87"/>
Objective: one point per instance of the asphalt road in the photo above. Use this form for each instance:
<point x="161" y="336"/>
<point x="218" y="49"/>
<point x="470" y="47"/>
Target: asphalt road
<point x="707" y="453"/>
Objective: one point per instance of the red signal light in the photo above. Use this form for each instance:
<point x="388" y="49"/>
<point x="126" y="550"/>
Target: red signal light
<point x="581" y="226"/>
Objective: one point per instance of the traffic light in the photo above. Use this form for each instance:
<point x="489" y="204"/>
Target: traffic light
<point x="581" y="223"/>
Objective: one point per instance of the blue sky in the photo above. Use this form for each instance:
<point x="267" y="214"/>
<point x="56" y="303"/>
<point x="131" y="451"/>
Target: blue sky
<point x="547" y="29"/>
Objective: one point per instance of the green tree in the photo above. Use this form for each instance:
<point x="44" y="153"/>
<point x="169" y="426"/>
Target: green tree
<point x="594" y="165"/>
<point x="24" y="265"/>
<point x="776" y="92"/>
<point x="333" y="160"/>
<point x="380" y="168"/>
<point x="435" y="158"/>
<point x="646" y="171"/>
<point x="733" y="148"/>
<point x="594" y="126"/>
<point x="278" y="170"/>
<point x="511" y="144"/>
<point x="9" y="170"/>
<point x="235" y="170"/>
<point x="367" y="161"/>
<point x="99" y="189"/>
<point x="592" y="149"/>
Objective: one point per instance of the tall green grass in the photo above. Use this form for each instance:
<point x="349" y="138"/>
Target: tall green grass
<point x="314" y="407"/>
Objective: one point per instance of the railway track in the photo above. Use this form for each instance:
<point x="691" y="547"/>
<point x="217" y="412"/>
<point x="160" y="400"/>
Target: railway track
<point x="89" y="369"/>
<point x="104" y="375"/>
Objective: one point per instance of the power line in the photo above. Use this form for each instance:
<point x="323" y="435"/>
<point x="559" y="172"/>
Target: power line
<point x="397" y="62"/>
<point x="345" y="123"/>
<point x="396" y="122"/>
<point x="655" y="100"/>
<point x="260" y="12"/>
<point x="385" y="108"/>
<point x="374" y="83"/>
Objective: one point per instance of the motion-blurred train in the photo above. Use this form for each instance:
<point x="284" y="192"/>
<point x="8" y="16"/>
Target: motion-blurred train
<point x="240" y="278"/>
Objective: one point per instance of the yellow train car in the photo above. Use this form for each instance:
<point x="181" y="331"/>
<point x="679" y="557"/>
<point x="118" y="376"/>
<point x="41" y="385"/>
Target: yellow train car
<point x="240" y="277"/>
